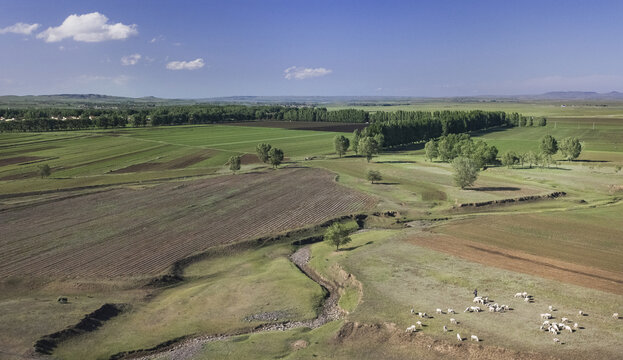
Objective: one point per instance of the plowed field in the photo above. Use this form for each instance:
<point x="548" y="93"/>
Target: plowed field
<point x="141" y="232"/>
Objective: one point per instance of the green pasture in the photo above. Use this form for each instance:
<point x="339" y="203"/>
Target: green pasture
<point x="217" y="296"/>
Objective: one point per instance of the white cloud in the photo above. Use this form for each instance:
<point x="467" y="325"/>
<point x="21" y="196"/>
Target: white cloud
<point x="186" y="65"/>
<point x="92" y="27"/>
<point x="130" y="59"/>
<point x="20" y="28"/>
<point x="300" y="73"/>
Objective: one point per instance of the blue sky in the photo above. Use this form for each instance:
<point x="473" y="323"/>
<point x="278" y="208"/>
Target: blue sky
<point x="196" y="49"/>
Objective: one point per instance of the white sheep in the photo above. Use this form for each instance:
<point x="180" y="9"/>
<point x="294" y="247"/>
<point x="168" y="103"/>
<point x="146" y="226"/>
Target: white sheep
<point x="453" y="321"/>
<point x="445" y="329"/>
<point x="410" y="329"/>
<point x="526" y="299"/>
<point x="556" y="340"/>
<point x="412" y="311"/>
<point x="477" y="300"/>
<point x="419" y="323"/>
<point x="422" y="314"/>
<point x="553" y="331"/>
<point x="551" y="308"/>
<point x="568" y="328"/>
<point x="555" y="326"/>
<point x="475" y="338"/>
<point x="546" y="316"/>
<point x="615" y="315"/>
<point x="564" y="320"/>
<point x="451" y="311"/>
<point x="467" y="309"/>
<point x="491" y="309"/>
<point x="575" y="326"/>
<point x="439" y="311"/>
<point x="524" y="294"/>
<point x="518" y="295"/>
<point x="458" y="336"/>
<point x="475" y="308"/>
<point x="546" y="322"/>
<point x="581" y="313"/>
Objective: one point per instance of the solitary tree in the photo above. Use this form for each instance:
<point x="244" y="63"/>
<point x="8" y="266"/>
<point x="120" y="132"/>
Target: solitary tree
<point x="368" y="147"/>
<point x="431" y="149"/>
<point x="44" y="170"/>
<point x="341" y="144"/>
<point x="275" y="156"/>
<point x="262" y="152"/>
<point x="374" y="175"/>
<point x="234" y="163"/>
<point x="337" y="234"/>
<point x="465" y="171"/>
<point x="356" y="138"/>
<point x="571" y="148"/>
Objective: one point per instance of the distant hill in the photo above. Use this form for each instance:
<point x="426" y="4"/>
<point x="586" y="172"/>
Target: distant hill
<point x="98" y="100"/>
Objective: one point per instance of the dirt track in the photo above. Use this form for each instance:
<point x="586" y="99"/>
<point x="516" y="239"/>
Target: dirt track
<point x="128" y="232"/>
<point x="522" y="262"/>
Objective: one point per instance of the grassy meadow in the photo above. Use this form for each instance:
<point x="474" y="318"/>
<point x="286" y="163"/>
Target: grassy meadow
<point x="385" y="271"/>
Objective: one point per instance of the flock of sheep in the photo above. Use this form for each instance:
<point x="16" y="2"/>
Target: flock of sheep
<point x="547" y="326"/>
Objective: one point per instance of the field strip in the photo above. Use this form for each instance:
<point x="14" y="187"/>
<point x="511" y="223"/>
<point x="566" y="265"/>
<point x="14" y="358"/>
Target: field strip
<point x="211" y="146"/>
<point x="522" y="262"/>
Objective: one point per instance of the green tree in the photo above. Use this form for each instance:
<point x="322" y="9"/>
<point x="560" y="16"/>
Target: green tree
<point x="337" y="234"/>
<point x="234" y="163"/>
<point x="431" y="149"/>
<point x="465" y="171"/>
<point x="380" y="140"/>
<point x="374" y="175"/>
<point x="45" y="170"/>
<point x="341" y="144"/>
<point x="275" y="156"/>
<point x="510" y="159"/>
<point x="355" y="142"/>
<point x="549" y="146"/>
<point x="368" y="147"/>
<point x="532" y="158"/>
<point x="570" y="148"/>
<point x="262" y="152"/>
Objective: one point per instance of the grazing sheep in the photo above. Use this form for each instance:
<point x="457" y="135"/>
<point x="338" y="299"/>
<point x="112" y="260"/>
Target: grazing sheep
<point x="615" y="315"/>
<point x="491" y="309"/>
<point x="478" y="300"/>
<point x="553" y="331"/>
<point x="546" y="322"/>
<point x="475" y="338"/>
<point x="445" y="329"/>
<point x="411" y="329"/>
<point x="551" y="308"/>
<point x="575" y="326"/>
<point x="412" y="311"/>
<point x="546" y="316"/>
<point x="564" y="320"/>
<point x="505" y="307"/>
<point x="581" y="313"/>
<point x="524" y="294"/>
<point x="422" y="315"/>
<point x="458" y="336"/>
<point x="439" y="311"/>
<point x="555" y="327"/>
<point x="451" y="311"/>
<point x="467" y="309"/>
<point x="556" y="340"/>
<point x="526" y="299"/>
<point x="568" y="328"/>
<point x="419" y="323"/>
<point x="518" y="295"/>
<point x="453" y="321"/>
<point x="475" y="308"/>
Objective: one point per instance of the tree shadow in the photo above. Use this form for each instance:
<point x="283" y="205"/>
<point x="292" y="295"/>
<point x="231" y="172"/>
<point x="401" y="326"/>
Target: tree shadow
<point x="396" y="162"/>
<point x="356" y="247"/>
<point x="590" y="161"/>
<point x="386" y="183"/>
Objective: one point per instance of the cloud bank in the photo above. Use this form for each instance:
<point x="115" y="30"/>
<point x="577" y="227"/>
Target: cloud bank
<point x="301" y="73"/>
<point x="20" y="28"/>
<point x="186" y="65"/>
<point x="130" y="59"/>
<point x="92" y="27"/>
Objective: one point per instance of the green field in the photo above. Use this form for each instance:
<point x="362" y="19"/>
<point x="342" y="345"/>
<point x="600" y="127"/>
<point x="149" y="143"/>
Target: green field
<point x="388" y="269"/>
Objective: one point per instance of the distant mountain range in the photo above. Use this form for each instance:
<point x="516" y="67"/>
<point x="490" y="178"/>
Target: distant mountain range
<point x="61" y="100"/>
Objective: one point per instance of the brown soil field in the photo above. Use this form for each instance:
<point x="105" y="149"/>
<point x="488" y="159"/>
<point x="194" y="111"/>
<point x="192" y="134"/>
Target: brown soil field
<point x="303" y="125"/>
<point x="135" y="232"/>
<point x="18" y="160"/>
<point x="523" y="262"/>
<point x="179" y="163"/>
